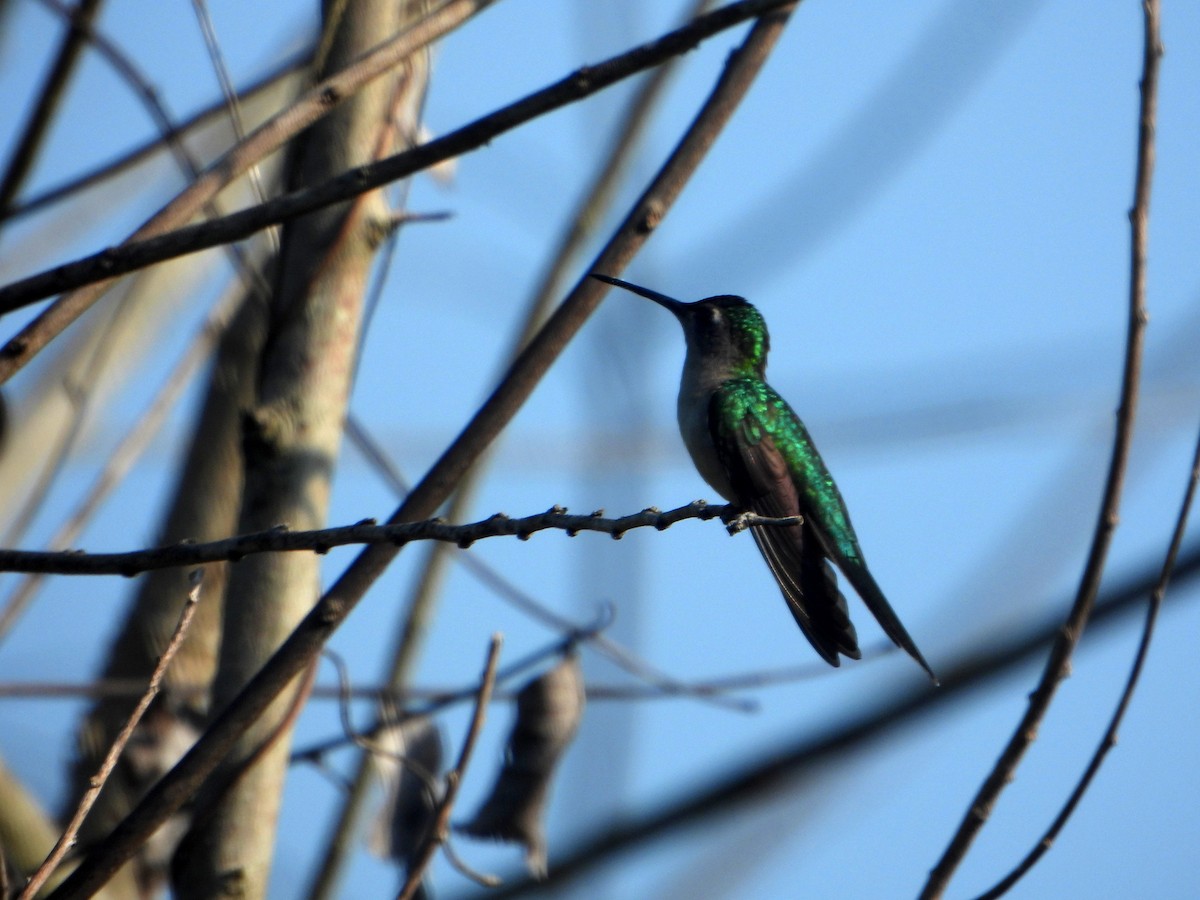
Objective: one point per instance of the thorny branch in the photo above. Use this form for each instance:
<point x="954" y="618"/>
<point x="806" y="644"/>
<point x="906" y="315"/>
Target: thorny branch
<point x="367" y="532"/>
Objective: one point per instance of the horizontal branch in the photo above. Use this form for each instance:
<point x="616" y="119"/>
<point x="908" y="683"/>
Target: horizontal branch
<point x="280" y="539"/>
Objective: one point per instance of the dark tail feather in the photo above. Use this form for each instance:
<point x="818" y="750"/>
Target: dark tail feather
<point x="809" y="586"/>
<point x="872" y="596"/>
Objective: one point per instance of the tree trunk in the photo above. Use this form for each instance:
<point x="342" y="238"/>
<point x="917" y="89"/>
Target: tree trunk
<point x="291" y="443"/>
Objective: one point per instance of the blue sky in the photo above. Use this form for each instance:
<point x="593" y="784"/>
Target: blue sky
<point x="928" y="203"/>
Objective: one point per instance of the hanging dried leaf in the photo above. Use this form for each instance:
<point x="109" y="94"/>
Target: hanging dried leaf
<point x="549" y="710"/>
<point x="165" y="733"/>
<point x="409" y="763"/>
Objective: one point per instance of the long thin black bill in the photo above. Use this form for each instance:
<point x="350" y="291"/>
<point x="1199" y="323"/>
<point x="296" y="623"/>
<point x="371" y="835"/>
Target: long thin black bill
<point x="661" y="299"/>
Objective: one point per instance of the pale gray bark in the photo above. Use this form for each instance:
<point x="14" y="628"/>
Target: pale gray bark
<point x="292" y="434"/>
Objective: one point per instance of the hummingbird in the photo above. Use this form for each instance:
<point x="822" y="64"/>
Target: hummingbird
<point x="754" y="451"/>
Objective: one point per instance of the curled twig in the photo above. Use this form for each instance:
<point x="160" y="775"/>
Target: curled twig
<point x="1058" y="665"/>
<point x="1109" y="740"/>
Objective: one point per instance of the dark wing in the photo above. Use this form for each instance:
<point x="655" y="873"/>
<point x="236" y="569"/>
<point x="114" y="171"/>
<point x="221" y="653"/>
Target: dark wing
<point x="762" y="482"/>
<point x="766" y="424"/>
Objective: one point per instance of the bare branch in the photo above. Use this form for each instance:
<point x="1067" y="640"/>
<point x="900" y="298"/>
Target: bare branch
<point x="587" y="218"/>
<point x="171" y="138"/>
<point x="126" y="453"/>
<point x="718" y="796"/>
<point x="155" y="241"/>
<point x="51" y="95"/>
<point x="506" y="590"/>
<point x="1109" y="740"/>
<point x="310" y="108"/>
<point x="1064" y="646"/>
<point x="322" y="540"/>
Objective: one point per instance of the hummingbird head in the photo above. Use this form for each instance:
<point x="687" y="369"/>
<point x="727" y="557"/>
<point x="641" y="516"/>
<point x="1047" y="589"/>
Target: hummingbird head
<point x="725" y="330"/>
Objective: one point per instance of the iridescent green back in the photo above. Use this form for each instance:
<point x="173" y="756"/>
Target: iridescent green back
<point x="749" y="409"/>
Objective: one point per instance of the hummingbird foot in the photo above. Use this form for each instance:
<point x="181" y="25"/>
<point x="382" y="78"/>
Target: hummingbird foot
<point x="735" y="518"/>
<point x="737" y="521"/>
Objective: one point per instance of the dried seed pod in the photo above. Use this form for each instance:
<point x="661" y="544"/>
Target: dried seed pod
<point x="409" y="763"/>
<point x="549" y="710"/>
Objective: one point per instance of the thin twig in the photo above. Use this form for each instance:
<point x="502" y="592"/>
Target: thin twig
<point x="974" y="671"/>
<point x="277" y="540"/>
<point x="138" y="154"/>
<point x="156" y="240"/>
<point x="67" y="840"/>
<point x="1110" y="734"/>
<point x="970" y="673"/>
<point x="438" y="696"/>
<point x="1118" y="600"/>
<point x="171" y="135"/>
<point x="618" y="654"/>
<point x="301" y="647"/>
<point x="1058" y="664"/>
<point x="441" y="823"/>
<point x="42" y="115"/>
<point x="81" y="390"/>
<point x="213" y="46"/>
<point x="127" y="70"/>
<point x="434" y="704"/>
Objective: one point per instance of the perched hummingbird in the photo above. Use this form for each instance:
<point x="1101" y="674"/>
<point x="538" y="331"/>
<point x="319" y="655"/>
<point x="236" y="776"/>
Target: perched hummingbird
<point x="756" y="453"/>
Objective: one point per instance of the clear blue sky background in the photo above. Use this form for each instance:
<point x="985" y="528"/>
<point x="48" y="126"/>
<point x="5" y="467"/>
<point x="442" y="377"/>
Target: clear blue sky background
<point x="928" y="202"/>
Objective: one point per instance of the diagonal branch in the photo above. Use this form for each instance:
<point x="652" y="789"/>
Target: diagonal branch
<point x="588" y="215"/>
<point x="124" y="455"/>
<point x="156" y="241"/>
<point x="171" y="138"/>
<point x="51" y="95"/>
<point x="269" y="136"/>
<point x="718" y="798"/>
